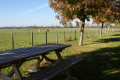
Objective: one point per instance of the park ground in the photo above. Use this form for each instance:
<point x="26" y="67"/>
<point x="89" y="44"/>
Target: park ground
<point x="101" y="56"/>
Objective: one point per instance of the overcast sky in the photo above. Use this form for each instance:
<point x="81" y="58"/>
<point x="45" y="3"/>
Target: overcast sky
<point x="26" y="13"/>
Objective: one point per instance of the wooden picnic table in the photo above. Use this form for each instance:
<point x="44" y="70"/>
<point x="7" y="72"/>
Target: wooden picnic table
<point x="17" y="57"/>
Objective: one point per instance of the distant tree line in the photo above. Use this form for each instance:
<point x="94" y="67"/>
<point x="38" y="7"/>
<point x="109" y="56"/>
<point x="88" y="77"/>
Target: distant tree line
<point x="33" y="27"/>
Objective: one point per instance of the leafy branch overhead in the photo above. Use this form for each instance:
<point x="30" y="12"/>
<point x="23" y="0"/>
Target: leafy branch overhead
<point x="83" y="9"/>
<point x="108" y="12"/>
<point x="100" y="10"/>
<point x="71" y="9"/>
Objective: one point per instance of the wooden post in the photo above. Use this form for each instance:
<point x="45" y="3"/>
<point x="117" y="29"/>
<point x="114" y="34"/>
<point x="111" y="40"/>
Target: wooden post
<point x="4" y="77"/>
<point x="64" y="36"/>
<point x="46" y="37"/>
<point x="37" y="64"/>
<point x="17" y="72"/>
<point x="12" y="41"/>
<point x="106" y="30"/>
<point x="70" y="35"/>
<point x="75" y="34"/>
<point x="0" y="68"/>
<point x="92" y="31"/>
<point x="88" y="32"/>
<point x="56" y="37"/>
<point x="60" y="59"/>
<point x="32" y="38"/>
<point x="12" y="71"/>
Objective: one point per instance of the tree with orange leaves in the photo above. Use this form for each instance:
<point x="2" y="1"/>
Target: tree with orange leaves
<point x="69" y="10"/>
<point x="116" y="19"/>
<point x="108" y="12"/>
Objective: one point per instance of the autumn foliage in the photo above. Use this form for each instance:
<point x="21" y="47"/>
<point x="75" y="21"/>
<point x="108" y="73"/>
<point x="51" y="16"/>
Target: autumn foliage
<point x="100" y="10"/>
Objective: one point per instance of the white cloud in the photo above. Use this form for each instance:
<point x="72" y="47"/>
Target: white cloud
<point x="35" y="9"/>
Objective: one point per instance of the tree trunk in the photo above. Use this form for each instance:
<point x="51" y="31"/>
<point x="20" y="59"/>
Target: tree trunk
<point x="80" y="25"/>
<point x="81" y="33"/>
<point x="108" y="29"/>
<point x="98" y="29"/>
<point x="101" y="30"/>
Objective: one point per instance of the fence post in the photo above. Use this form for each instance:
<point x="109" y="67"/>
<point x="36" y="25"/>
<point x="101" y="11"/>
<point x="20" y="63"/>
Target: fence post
<point x="46" y="35"/>
<point x="56" y="37"/>
<point x="32" y="38"/>
<point x="64" y="36"/>
<point x="70" y="35"/>
<point x="12" y="41"/>
<point x="88" y="31"/>
<point x="75" y="34"/>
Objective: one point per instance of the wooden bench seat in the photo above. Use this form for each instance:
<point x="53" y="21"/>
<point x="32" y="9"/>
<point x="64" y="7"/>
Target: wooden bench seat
<point x="54" y="70"/>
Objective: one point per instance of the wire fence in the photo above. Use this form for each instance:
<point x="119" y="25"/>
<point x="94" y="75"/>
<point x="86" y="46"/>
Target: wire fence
<point x="18" y="38"/>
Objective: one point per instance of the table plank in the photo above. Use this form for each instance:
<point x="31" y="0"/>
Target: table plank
<point x="12" y="56"/>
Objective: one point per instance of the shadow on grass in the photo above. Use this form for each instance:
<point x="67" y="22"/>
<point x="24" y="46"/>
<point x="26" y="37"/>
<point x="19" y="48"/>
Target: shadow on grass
<point x="108" y="40"/>
<point x="116" y="35"/>
<point x="102" y="64"/>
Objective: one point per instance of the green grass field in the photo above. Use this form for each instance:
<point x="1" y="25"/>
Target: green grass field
<point x="22" y="37"/>
<point x="101" y="55"/>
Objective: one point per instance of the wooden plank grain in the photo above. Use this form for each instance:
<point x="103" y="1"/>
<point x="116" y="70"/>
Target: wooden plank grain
<point x="54" y="70"/>
<point x="10" y="56"/>
<point x="17" y="72"/>
<point x="29" y="50"/>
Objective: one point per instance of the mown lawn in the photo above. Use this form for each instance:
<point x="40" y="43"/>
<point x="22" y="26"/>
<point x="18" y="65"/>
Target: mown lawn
<point x="101" y="55"/>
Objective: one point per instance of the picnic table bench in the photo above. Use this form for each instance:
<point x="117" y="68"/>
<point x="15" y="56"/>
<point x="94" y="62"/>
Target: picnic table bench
<point x="17" y="57"/>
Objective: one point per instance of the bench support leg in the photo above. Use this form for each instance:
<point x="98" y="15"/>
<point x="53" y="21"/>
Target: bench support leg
<point x="36" y="68"/>
<point x="46" y="58"/>
<point x="0" y="68"/>
<point x="17" y="72"/>
<point x="68" y="74"/>
<point x="66" y="71"/>
<point x="4" y="77"/>
<point x="38" y="63"/>
<point x="12" y="71"/>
